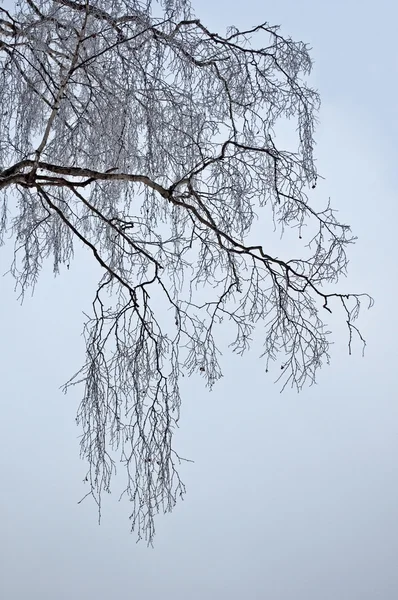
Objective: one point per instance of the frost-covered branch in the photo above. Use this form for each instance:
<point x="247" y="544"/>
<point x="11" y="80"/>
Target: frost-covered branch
<point x="150" y="140"/>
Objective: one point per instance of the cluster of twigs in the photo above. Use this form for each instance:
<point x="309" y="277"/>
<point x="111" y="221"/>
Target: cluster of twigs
<point x="151" y="141"/>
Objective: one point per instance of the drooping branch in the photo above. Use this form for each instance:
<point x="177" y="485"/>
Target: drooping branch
<point x="151" y="142"/>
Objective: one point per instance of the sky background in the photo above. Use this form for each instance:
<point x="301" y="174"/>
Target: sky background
<point x="290" y="497"/>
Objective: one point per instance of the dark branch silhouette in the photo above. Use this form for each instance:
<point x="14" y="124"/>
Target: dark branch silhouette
<point x="151" y="141"/>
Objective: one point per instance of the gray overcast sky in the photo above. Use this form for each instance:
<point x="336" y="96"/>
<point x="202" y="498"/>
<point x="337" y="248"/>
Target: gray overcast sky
<point x="291" y="497"/>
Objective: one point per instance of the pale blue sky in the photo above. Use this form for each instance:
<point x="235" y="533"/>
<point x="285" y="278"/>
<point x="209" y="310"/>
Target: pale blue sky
<point x="291" y="497"/>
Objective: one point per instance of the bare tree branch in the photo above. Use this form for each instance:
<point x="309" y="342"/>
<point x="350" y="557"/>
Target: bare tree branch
<point x="151" y="141"/>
